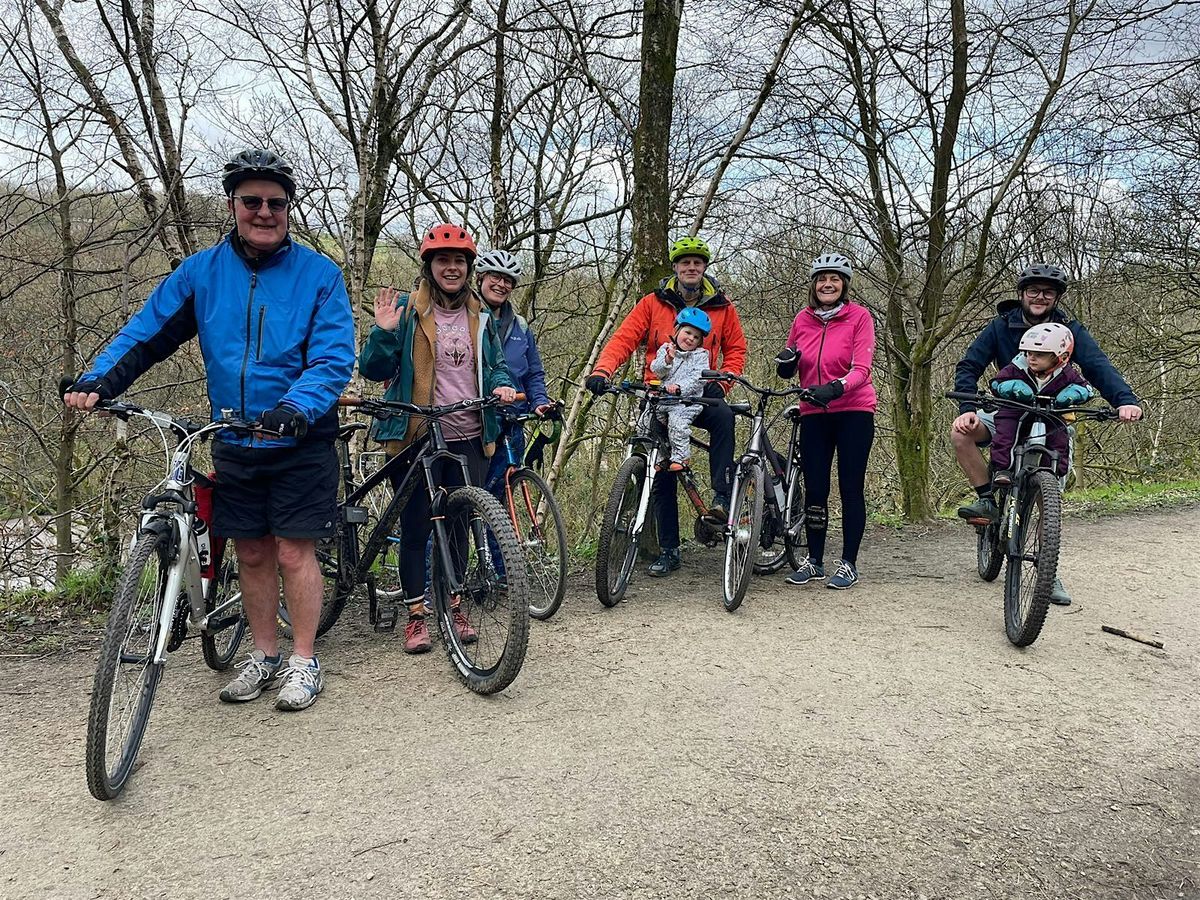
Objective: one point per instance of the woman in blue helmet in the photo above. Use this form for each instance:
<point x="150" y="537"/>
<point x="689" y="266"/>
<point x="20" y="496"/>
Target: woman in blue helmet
<point x="680" y="363"/>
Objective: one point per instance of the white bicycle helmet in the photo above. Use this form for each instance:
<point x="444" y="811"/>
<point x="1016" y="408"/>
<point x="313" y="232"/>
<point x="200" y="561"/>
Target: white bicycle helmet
<point x="832" y="262"/>
<point x="1049" y="337"/>
<point x="499" y="261"/>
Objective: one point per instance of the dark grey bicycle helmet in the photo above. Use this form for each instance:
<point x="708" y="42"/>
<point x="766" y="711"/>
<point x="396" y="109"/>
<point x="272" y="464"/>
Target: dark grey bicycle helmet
<point x="258" y="163"/>
<point x="1045" y="272"/>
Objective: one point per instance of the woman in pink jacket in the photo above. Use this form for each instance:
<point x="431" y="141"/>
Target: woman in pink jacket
<point x="830" y="346"/>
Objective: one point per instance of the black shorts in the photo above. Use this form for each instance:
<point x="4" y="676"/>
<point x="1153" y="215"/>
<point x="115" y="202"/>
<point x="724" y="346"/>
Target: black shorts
<point x="288" y="492"/>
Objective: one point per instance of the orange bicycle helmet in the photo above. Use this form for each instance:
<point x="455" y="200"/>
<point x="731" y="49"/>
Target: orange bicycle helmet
<point x="448" y="237"/>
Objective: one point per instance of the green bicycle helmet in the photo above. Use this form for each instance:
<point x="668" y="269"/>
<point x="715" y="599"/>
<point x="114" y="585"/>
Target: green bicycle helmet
<point x="690" y="246"/>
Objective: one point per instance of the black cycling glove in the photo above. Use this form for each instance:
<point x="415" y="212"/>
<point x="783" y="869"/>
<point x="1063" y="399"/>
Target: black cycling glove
<point x="284" y="421"/>
<point x="67" y="385"/>
<point x="787" y="361"/>
<point x="597" y="384"/>
<point x="827" y="393"/>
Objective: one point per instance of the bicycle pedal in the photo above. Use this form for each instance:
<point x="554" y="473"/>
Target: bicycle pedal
<point x="386" y="618"/>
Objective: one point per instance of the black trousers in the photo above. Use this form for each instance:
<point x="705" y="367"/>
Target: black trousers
<point x="849" y="435"/>
<point x="717" y="420"/>
<point x="415" y="523"/>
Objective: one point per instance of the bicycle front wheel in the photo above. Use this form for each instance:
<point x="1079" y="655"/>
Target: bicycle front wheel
<point x="617" y="548"/>
<point x="485" y="626"/>
<point x="221" y="640"/>
<point x="741" y="543"/>
<point x="1029" y="578"/>
<point x="126" y="675"/>
<point x="542" y="538"/>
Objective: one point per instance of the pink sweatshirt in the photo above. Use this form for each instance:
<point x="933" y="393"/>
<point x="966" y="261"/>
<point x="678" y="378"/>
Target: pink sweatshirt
<point x="842" y="348"/>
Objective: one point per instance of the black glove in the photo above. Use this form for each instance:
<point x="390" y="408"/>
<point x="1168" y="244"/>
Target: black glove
<point x="713" y="390"/>
<point x="284" y="421"/>
<point x="68" y="385"/>
<point x="597" y="384"/>
<point x="827" y="393"/>
<point x="786" y="362"/>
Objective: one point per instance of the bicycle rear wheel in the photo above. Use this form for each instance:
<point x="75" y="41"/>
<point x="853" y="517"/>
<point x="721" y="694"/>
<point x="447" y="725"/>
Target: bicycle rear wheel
<point x="782" y="550"/>
<point x="1029" y="578"/>
<point x="487" y="644"/>
<point x="741" y="544"/>
<point x="795" y="540"/>
<point x="126" y="676"/>
<point x="224" y="635"/>
<point x="543" y="539"/>
<point x="617" y="548"/>
<point x="989" y="555"/>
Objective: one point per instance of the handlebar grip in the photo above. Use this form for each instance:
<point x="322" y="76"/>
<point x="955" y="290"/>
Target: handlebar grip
<point x="963" y="395"/>
<point x="350" y="401"/>
<point x="713" y="373"/>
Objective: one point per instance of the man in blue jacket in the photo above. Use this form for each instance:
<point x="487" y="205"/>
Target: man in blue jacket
<point x="1040" y="287"/>
<point x="277" y="336"/>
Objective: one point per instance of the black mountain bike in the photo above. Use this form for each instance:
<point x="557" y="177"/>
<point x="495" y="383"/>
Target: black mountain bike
<point x="1028" y="530"/>
<point x="478" y="566"/>
<point x="765" y="528"/>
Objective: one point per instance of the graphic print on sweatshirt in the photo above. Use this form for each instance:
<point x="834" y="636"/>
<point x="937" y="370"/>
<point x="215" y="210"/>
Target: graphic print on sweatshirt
<point x="454" y="365"/>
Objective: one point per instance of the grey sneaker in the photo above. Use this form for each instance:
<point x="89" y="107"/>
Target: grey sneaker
<point x="1058" y="594"/>
<point x="846" y="576"/>
<point x="808" y="571"/>
<point x="302" y="681"/>
<point x="258" y="674"/>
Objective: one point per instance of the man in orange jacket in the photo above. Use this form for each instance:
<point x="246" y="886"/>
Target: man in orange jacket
<point x="650" y="324"/>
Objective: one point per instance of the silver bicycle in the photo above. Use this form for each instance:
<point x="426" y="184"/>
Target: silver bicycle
<point x="178" y="578"/>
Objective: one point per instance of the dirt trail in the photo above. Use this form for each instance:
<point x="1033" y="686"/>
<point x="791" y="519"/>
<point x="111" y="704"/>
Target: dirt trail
<point x="885" y="742"/>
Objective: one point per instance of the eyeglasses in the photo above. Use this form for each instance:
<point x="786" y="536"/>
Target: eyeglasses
<point x="1032" y="292"/>
<point x="254" y="203"/>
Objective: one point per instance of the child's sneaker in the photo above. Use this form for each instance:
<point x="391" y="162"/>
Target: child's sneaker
<point x="808" y="571"/>
<point x="258" y="674"/>
<point x="302" y="681"/>
<point x="846" y="576"/>
<point x="677" y="466"/>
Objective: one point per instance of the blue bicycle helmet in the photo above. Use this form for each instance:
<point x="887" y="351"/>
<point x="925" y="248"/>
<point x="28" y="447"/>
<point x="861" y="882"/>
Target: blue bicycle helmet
<point x="696" y="318"/>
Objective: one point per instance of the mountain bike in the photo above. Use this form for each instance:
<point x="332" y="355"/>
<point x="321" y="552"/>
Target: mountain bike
<point x="177" y="579"/>
<point x="478" y="566"/>
<point x="1028" y="529"/>
<point x="534" y="513"/>
<point x="629" y="498"/>
<point x="765" y="527"/>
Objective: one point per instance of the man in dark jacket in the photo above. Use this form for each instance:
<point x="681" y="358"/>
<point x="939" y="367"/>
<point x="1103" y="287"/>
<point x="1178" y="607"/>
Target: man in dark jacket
<point x="1040" y="287"/>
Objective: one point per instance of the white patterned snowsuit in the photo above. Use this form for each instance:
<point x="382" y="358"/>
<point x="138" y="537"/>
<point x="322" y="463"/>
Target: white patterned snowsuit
<point x="685" y="371"/>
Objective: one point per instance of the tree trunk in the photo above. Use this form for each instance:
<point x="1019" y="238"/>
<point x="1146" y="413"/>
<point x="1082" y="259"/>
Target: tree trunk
<point x="652" y="140"/>
<point x="500" y="209"/>
<point x="911" y="417"/>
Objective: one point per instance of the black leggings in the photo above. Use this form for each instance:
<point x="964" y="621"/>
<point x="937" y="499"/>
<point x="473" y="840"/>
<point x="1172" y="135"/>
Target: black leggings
<point x="850" y="435"/>
<point x="415" y="524"/>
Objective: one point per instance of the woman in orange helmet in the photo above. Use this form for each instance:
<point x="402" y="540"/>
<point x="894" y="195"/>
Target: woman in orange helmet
<point x="436" y="346"/>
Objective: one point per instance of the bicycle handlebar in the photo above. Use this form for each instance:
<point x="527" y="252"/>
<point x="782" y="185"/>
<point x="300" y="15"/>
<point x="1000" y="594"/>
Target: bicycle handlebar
<point x="183" y="427"/>
<point x="801" y="393"/>
<point x="383" y="409"/>
<point x="1040" y="405"/>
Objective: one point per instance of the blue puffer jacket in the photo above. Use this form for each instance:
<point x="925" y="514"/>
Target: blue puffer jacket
<point x="272" y="331"/>
<point x="999" y="343"/>
<point x="521" y="354"/>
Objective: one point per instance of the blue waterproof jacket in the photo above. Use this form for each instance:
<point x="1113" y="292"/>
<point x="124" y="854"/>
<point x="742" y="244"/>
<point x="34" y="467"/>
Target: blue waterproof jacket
<point x="524" y="360"/>
<point x="274" y="330"/>
<point x="998" y="344"/>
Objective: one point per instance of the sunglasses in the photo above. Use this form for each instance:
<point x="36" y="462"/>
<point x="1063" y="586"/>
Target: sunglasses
<point x="254" y="203"/>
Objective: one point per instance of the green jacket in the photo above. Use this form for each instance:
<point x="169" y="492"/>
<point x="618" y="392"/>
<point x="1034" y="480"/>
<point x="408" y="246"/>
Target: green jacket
<point x="389" y="356"/>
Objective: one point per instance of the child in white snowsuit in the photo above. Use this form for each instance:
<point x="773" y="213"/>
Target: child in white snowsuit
<point x="680" y="362"/>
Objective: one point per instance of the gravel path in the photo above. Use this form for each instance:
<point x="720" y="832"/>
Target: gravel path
<point x="885" y="742"/>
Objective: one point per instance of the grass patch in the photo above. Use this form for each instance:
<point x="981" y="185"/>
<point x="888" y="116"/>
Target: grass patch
<point x="85" y="596"/>
<point x="1115" y="498"/>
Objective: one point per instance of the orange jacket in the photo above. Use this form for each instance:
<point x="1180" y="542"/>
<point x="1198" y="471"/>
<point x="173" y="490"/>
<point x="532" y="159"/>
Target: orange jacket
<point x="651" y="323"/>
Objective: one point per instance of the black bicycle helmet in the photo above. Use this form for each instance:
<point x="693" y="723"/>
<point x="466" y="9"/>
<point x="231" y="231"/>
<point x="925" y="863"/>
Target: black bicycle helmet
<point x="1044" y="272"/>
<point x="258" y="163"/>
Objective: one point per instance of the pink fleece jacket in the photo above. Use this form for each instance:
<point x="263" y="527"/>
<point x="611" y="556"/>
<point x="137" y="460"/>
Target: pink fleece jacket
<point x="841" y="348"/>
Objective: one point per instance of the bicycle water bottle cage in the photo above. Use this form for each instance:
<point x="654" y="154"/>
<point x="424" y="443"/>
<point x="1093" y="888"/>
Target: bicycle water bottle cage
<point x="816" y="518"/>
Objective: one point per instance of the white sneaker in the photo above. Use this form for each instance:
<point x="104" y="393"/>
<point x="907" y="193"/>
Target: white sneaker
<point x="302" y="681"/>
<point x="257" y="675"/>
